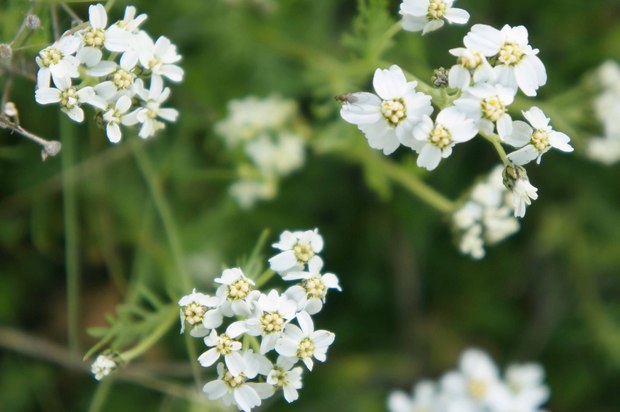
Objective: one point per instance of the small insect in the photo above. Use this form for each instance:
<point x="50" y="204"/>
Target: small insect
<point x="346" y="98"/>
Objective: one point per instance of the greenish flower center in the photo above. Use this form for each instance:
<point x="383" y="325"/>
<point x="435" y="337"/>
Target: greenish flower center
<point x="492" y="108"/>
<point x="440" y="137"/>
<point x="510" y="54"/>
<point x="315" y="288"/>
<point x="436" y="9"/>
<point x="394" y="111"/>
<point x="50" y="56"/>
<point x="194" y="313"/>
<point x="305" y="349"/>
<point x="238" y="290"/>
<point x="540" y="140"/>
<point x="94" y="37"/>
<point x="271" y="322"/>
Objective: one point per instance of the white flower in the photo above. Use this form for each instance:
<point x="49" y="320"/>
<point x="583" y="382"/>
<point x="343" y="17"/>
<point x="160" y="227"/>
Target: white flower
<point x="310" y="294"/>
<point x="69" y="97"/>
<point x="429" y="15"/>
<point x="114" y="116"/>
<point x="235" y="297"/>
<point x="193" y="308"/>
<point x="389" y="118"/>
<point x="159" y="58"/>
<point x="425" y="398"/>
<point x="304" y="343"/>
<point x="130" y="22"/>
<point x="435" y="141"/>
<point x="298" y="249"/>
<point x="488" y="105"/>
<point x="273" y="313"/>
<point x="534" y="142"/>
<point x="94" y="35"/>
<point x="235" y="389"/>
<point x="604" y="149"/>
<point x="469" y="64"/>
<point x="152" y="109"/>
<point x="284" y="376"/>
<point x="224" y="345"/>
<point x="124" y="36"/>
<point x="524" y="389"/>
<point x="476" y="380"/>
<point x="518" y="65"/>
<point x="523" y="192"/>
<point x="248" y="191"/>
<point x="103" y="366"/>
<point x="278" y="156"/>
<point x="58" y="61"/>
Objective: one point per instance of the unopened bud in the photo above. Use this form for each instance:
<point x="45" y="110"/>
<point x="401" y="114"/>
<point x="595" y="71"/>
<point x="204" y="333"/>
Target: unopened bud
<point x="10" y="109"/>
<point x="33" y="21"/>
<point x="512" y="174"/>
<point x="5" y="51"/>
<point x="440" y="77"/>
<point x="50" y="149"/>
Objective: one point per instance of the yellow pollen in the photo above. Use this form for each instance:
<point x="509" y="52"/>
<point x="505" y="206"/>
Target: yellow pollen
<point x="305" y="349"/>
<point x="69" y="98"/>
<point x="194" y="313"/>
<point x="510" y="54"/>
<point x="233" y="381"/>
<point x="280" y="376"/>
<point x="224" y="344"/>
<point x="94" y="37"/>
<point x="394" y="111"/>
<point x="540" y="140"/>
<point x="477" y="389"/>
<point x="315" y="288"/>
<point x="303" y="252"/>
<point x="440" y="137"/>
<point x="238" y="290"/>
<point x="492" y="108"/>
<point x="436" y="9"/>
<point x="271" y="322"/>
<point x="50" y="56"/>
<point x="470" y="61"/>
<point x="122" y="79"/>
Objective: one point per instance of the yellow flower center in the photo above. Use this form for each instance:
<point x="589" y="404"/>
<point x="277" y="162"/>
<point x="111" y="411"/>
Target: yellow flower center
<point x="238" y="290"/>
<point x="471" y="60"/>
<point x="69" y="98"/>
<point x="94" y="37"/>
<point x="477" y="389"/>
<point x="271" y="322"/>
<point x="303" y="252"/>
<point x="436" y="9"/>
<point x="280" y="377"/>
<point x="492" y="108"/>
<point x="394" y="111"/>
<point x="122" y="79"/>
<point x="510" y="54"/>
<point x="315" y="288"/>
<point x="224" y="344"/>
<point x="194" y="313"/>
<point x="540" y="140"/>
<point x="50" y="56"/>
<point x="440" y="137"/>
<point x="305" y="349"/>
<point x="233" y="381"/>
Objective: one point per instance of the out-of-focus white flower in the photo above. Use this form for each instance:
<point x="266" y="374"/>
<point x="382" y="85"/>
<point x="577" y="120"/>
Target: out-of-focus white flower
<point x="524" y="390"/>
<point x="103" y="366"/>
<point x="470" y="64"/>
<point x="388" y="118"/>
<point x="517" y="64"/>
<point x="298" y="248"/>
<point x="425" y="398"/>
<point x="606" y="149"/>
<point x="249" y="191"/>
<point x="435" y="140"/>
<point x="487" y="105"/>
<point x="277" y="157"/>
<point x="536" y="141"/>
<point x="304" y="343"/>
<point x="429" y="15"/>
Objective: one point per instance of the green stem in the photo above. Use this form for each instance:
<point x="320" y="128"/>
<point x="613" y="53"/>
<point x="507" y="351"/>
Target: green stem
<point x="264" y="278"/>
<point x="163" y="210"/>
<point x="151" y="339"/>
<point x="190" y="343"/>
<point x="69" y="196"/>
<point x="99" y="398"/>
<point x="496" y="141"/>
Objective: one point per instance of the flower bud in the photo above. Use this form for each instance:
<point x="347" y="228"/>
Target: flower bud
<point x="33" y="21"/>
<point x="50" y="149"/>
<point x="5" y="51"/>
<point x="440" y="77"/>
<point x="10" y="109"/>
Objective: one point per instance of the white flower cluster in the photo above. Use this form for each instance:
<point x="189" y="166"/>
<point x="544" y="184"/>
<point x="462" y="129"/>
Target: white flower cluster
<point x="477" y="387"/>
<point x="120" y="70"/>
<point x="233" y="321"/>
<point x="606" y="149"/>
<point x="260" y="132"/>
<point x="486" y="217"/>
<point x="105" y="364"/>
<point x="492" y="67"/>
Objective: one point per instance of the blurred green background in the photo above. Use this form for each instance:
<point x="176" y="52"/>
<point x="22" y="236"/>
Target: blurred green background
<point x="410" y="301"/>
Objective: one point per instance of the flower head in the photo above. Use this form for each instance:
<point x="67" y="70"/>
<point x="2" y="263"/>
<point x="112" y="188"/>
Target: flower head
<point x="523" y="192"/>
<point x="429" y="15"/>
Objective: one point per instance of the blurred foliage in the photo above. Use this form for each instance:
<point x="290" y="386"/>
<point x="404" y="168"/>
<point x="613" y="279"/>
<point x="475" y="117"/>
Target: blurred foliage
<point x="410" y="302"/>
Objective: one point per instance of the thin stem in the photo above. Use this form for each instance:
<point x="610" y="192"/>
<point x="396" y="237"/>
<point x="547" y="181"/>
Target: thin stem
<point x="496" y="141"/>
<point x="264" y="278"/>
<point x="151" y="339"/>
<point x="101" y="393"/>
<point x="71" y="234"/>
<point x="163" y="209"/>
<point x="190" y="344"/>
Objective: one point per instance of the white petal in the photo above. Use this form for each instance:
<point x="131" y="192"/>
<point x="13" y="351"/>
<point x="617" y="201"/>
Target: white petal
<point x="524" y="155"/>
<point x="560" y="141"/>
<point x="457" y="16"/>
<point x="113" y="131"/>
<point x="283" y="261"/>
<point x="286" y="347"/>
<point x="246" y="398"/>
<point x="504" y="126"/>
<point x="483" y="38"/>
<point x="390" y="84"/>
<point x="537" y="118"/>
<point x="290" y="394"/>
<point x="209" y="357"/>
<point x="364" y="109"/>
<point x="305" y="321"/>
<point x="168" y="114"/>
<point x="97" y="16"/>
<point x="215" y="389"/>
<point x="459" y="77"/>
<point x="47" y="96"/>
<point x="432" y="26"/>
<point x="429" y="157"/>
<point x="234" y="363"/>
<point x="103" y="68"/>
<point x="521" y="134"/>
<point x="174" y="73"/>
<point x="89" y="56"/>
<point x="414" y="23"/>
<point x="76" y="114"/>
